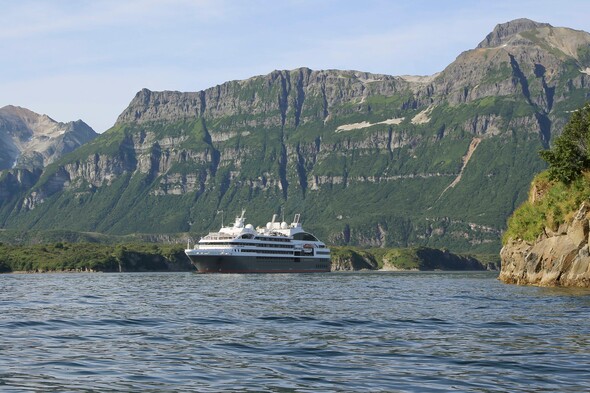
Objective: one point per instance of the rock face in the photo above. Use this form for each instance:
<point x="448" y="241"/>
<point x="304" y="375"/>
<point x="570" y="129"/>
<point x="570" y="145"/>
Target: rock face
<point x="29" y="140"/>
<point x="280" y="97"/>
<point x="368" y="159"/>
<point x="505" y="31"/>
<point x="559" y="258"/>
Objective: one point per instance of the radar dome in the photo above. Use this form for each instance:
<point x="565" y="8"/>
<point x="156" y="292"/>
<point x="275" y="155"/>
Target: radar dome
<point x="268" y="225"/>
<point x="249" y="226"/>
<point x="284" y="225"/>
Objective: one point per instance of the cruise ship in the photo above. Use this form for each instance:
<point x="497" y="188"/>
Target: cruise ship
<point x="276" y="248"/>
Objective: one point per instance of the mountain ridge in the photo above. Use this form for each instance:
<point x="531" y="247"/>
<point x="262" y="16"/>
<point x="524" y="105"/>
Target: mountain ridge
<point x="369" y="158"/>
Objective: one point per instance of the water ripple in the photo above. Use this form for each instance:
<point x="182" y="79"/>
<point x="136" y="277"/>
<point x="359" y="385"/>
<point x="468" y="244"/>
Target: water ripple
<point x="426" y="332"/>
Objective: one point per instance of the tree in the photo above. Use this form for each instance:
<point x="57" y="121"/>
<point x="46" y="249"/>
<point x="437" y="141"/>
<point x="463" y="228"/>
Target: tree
<point x="570" y="154"/>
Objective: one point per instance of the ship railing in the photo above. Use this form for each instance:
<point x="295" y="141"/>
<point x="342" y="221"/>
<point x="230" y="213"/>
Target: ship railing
<point x="213" y="245"/>
<point x="217" y="236"/>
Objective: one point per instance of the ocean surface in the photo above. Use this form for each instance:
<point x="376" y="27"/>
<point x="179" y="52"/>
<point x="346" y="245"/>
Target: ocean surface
<point x="368" y="331"/>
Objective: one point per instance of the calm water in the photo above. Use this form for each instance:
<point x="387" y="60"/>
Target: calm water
<point x="423" y="332"/>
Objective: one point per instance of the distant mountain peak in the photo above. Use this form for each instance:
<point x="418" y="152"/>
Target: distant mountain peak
<point x="29" y="139"/>
<point x="24" y="114"/>
<point x="503" y="31"/>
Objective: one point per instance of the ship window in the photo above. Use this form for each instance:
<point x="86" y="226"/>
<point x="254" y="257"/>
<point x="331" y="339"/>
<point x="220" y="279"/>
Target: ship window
<point x="247" y="236"/>
<point x="305" y="236"/>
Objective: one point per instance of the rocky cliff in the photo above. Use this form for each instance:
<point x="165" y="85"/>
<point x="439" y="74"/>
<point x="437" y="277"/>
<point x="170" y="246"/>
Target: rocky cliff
<point x="556" y="258"/>
<point x="281" y="98"/>
<point x="368" y="159"/>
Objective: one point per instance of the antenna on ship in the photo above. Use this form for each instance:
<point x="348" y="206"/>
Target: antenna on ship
<point x="282" y="214"/>
<point x="221" y="211"/>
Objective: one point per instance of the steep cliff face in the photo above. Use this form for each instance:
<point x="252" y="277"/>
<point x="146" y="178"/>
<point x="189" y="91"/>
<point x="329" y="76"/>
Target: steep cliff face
<point x="29" y="140"/>
<point x="368" y="159"/>
<point x="281" y="98"/>
<point x="560" y="258"/>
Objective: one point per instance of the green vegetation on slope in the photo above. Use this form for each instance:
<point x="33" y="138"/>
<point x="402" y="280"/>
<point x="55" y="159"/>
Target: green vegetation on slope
<point x="551" y="204"/>
<point x="559" y="191"/>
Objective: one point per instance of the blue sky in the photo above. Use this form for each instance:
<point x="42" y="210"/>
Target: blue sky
<point x="86" y="60"/>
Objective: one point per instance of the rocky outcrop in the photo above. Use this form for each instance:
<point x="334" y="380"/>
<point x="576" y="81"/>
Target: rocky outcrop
<point x="425" y="258"/>
<point x="396" y="259"/>
<point x="351" y="260"/>
<point x="506" y="30"/>
<point x="560" y="258"/>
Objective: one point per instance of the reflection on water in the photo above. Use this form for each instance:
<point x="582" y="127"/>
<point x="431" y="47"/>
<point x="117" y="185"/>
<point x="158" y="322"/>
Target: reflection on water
<point x="324" y="332"/>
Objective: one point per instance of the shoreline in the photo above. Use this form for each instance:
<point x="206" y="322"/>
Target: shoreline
<point x="23" y="272"/>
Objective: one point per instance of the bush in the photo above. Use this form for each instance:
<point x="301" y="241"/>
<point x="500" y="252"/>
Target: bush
<point x="570" y="154"/>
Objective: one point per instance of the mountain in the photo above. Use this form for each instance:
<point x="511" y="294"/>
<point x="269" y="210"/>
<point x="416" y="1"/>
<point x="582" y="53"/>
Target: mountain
<point x="29" y="140"/>
<point x="368" y="159"/>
